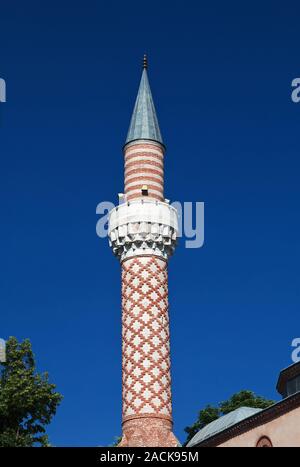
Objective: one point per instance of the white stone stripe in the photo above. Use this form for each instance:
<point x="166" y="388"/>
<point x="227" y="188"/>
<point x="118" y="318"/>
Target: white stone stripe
<point x="143" y="174"/>
<point x="149" y="155"/>
<point x="143" y="182"/>
<point x="136" y="170"/>
<point x="143" y="158"/>
<point x="138" y="192"/>
<point x="144" y="166"/>
<point x="148" y="150"/>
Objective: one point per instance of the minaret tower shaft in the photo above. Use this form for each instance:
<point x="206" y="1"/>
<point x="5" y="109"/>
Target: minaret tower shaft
<point x="142" y="233"/>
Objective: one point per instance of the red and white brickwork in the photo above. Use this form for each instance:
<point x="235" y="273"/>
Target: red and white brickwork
<point x="142" y="234"/>
<point x="144" y="165"/>
<point x="146" y="340"/>
<point x="147" y="406"/>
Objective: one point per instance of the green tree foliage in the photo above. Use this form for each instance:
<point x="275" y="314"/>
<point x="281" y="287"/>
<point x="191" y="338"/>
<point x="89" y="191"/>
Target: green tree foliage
<point x="116" y="441"/>
<point x="244" y="399"/>
<point x="27" y="400"/>
<point x="210" y="413"/>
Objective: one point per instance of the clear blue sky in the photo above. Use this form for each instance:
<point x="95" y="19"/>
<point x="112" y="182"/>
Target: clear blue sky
<point x="221" y="78"/>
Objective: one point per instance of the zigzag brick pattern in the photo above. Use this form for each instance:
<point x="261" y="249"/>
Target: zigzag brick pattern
<point x="146" y="339"/>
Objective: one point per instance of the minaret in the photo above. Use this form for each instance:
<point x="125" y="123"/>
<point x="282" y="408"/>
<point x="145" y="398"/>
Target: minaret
<point x="142" y="234"/>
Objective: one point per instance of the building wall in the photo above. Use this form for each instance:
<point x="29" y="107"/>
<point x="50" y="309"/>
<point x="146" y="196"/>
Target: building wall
<point x="282" y="432"/>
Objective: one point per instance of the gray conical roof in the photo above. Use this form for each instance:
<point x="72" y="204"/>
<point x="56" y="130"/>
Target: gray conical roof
<point x="144" y="123"/>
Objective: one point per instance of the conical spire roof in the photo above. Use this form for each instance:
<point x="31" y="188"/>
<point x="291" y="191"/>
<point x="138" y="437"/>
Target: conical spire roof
<point x="144" y="123"/>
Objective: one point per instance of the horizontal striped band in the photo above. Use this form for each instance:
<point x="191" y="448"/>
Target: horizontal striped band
<point x="143" y="181"/>
<point x="143" y="174"/>
<point x="141" y="170"/>
<point x="144" y="154"/>
<point x="138" y="159"/>
<point x="137" y="188"/>
<point x="144" y="164"/>
<point x="143" y="147"/>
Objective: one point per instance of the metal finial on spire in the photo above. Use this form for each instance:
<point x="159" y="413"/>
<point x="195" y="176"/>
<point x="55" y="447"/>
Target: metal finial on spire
<point x="145" y="62"/>
<point x="144" y="123"/>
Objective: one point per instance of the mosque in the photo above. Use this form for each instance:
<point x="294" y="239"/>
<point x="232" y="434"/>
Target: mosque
<point x="142" y="234"/>
<point x="276" y="426"/>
